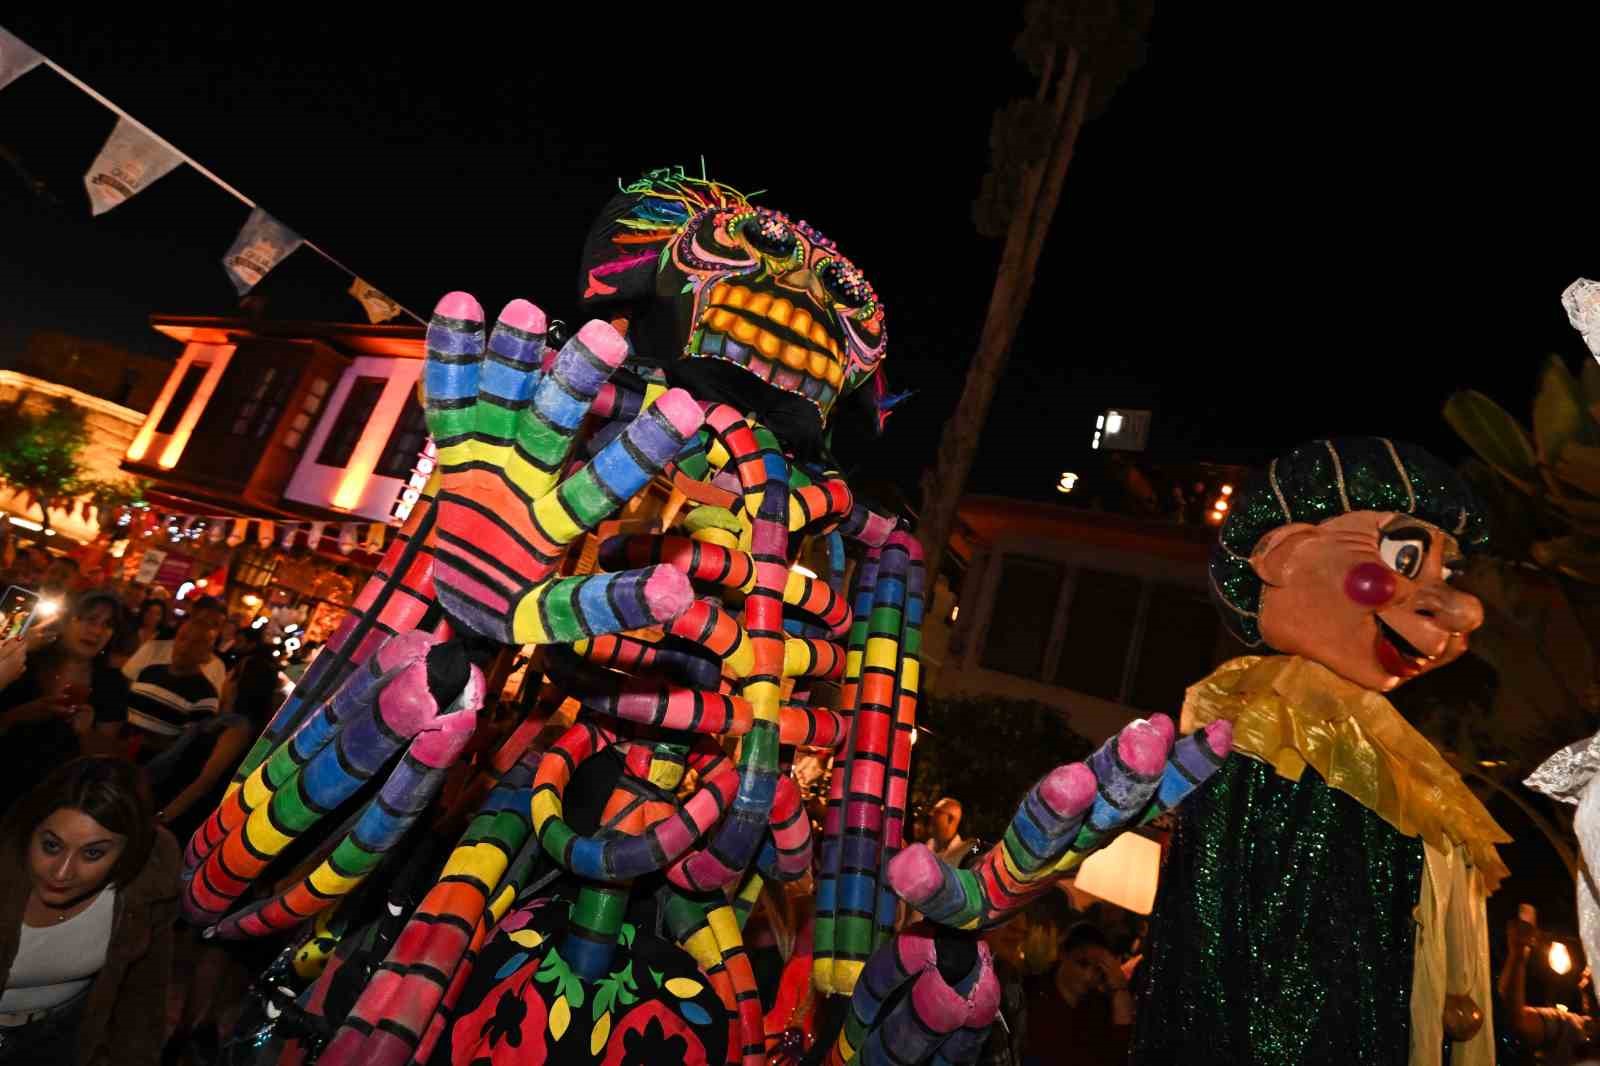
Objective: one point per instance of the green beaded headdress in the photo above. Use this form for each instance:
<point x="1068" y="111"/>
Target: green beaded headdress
<point x="1320" y="480"/>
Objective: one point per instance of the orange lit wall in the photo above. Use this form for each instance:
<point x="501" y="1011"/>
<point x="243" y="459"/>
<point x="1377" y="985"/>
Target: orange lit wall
<point x="170" y="448"/>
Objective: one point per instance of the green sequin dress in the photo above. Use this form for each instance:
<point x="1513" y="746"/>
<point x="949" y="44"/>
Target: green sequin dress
<point x="1283" y="931"/>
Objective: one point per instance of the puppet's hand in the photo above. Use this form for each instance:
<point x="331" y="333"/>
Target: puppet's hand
<point x="1074" y="811"/>
<point x="505" y="429"/>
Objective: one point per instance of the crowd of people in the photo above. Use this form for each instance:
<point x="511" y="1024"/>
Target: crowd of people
<point x="122" y="717"/>
<point x="121" y="720"/>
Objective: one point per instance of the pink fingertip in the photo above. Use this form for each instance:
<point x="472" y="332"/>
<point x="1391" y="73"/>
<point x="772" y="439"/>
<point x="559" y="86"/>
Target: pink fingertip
<point x="604" y="341"/>
<point x="679" y="408"/>
<point x="668" y="592"/>
<point x="1143" y="748"/>
<point x="520" y="314"/>
<point x="915" y="873"/>
<point x="1219" y="736"/>
<point x="1163" y="723"/>
<point x="404" y="648"/>
<point x="1069" y="789"/>
<point x="459" y="305"/>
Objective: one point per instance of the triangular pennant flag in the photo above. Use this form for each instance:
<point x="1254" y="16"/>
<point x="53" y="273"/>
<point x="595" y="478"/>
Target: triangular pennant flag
<point x="347" y="538"/>
<point x="130" y="162"/>
<point x="16" y="59"/>
<point x="379" y="307"/>
<point x="262" y="244"/>
<point x="264" y="534"/>
<point x="314" y="537"/>
<point x="290" y="531"/>
<point x="237" y="533"/>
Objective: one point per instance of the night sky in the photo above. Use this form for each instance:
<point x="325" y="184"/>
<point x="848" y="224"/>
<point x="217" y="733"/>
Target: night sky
<point x="1276" y="231"/>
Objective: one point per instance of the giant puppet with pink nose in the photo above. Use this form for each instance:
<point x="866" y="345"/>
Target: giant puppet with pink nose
<point x="1323" y="900"/>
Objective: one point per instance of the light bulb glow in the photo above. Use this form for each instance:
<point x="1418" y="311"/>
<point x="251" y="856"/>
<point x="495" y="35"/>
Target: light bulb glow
<point x="1560" y="958"/>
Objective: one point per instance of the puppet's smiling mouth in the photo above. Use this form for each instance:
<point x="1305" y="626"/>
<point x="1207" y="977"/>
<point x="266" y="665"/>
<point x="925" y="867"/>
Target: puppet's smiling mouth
<point x="1397" y="655"/>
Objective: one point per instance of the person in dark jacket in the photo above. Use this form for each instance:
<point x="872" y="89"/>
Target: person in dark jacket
<point x="88" y="898"/>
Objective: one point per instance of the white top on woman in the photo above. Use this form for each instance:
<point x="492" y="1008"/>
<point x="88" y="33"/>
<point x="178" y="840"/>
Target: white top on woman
<point x="56" y="962"/>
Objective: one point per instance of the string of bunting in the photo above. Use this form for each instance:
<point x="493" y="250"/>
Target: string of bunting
<point x="135" y="157"/>
<point x="145" y="522"/>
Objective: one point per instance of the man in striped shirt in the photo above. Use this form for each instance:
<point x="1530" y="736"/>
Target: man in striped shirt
<point x="176" y="683"/>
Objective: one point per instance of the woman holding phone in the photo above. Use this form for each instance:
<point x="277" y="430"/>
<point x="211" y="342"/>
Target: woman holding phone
<point x="68" y="701"/>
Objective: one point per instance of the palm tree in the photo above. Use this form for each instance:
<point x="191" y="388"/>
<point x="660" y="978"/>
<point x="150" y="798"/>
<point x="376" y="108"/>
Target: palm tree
<point x="1080" y="50"/>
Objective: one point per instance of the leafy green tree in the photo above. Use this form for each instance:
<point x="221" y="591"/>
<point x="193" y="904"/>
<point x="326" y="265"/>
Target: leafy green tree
<point x="39" y="454"/>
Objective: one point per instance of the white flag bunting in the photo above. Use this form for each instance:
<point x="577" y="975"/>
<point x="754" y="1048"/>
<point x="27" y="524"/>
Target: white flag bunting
<point x="262" y="244"/>
<point x="16" y="58"/>
<point x="131" y="161"/>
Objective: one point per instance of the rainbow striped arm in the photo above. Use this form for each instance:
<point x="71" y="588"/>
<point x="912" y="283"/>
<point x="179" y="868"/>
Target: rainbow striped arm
<point x="936" y="1018"/>
<point x="343" y="743"/>
<point x="406" y="793"/>
<point x="708" y="929"/>
<point x="395" y="1011"/>
<point x="397" y="598"/>
<point x="902" y="959"/>
<point x="505" y="431"/>
<point x="831" y="863"/>
<point x="763" y="474"/>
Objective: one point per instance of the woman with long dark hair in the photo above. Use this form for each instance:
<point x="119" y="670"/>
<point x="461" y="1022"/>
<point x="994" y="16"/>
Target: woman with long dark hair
<point x="88" y="898"/>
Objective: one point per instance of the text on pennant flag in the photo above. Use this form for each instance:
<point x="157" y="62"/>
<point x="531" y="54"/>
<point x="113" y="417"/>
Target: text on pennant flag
<point x="379" y="307"/>
<point x="130" y="162"/>
<point x="16" y="58"/>
<point x="262" y="244"/>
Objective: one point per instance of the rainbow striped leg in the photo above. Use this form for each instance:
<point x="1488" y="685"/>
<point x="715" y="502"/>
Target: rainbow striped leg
<point x="831" y="867"/>
<point x="859" y="917"/>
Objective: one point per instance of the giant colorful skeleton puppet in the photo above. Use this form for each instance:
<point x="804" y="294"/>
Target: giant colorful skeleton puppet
<point x="592" y="909"/>
<point x="1323" y="901"/>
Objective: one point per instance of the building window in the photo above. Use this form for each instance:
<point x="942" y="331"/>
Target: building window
<point x="261" y="402"/>
<point x="405" y="443"/>
<point x="1178" y="648"/>
<point x="1114" y="636"/>
<point x="359" y="404"/>
<point x="188" y="385"/>
<point x="1024" y="607"/>
<point x="1101" y="619"/>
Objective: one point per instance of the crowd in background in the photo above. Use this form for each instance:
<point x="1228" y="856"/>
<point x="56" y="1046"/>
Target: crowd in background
<point x="122" y="717"/>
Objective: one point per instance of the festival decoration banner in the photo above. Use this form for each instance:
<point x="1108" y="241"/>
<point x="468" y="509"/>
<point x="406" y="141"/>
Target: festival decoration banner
<point x="379" y="308"/>
<point x="16" y="58"/>
<point x="262" y="244"/>
<point x="130" y="162"/>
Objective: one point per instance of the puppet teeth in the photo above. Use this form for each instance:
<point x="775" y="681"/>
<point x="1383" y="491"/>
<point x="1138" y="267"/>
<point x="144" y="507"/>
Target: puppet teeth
<point x="780" y="311"/>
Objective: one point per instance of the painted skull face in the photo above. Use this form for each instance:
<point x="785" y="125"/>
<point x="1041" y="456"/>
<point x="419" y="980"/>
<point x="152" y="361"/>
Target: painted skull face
<point x="777" y="298"/>
<point x="738" y="303"/>
<point x="1366" y="594"/>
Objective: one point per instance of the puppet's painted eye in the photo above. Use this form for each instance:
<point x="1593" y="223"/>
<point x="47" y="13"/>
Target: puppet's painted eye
<point x="1402" y="554"/>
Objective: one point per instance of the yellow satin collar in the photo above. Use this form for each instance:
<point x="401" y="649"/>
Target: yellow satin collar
<point x="1291" y="712"/>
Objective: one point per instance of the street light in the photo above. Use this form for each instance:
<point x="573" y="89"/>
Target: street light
<point x="1068" y="481"/>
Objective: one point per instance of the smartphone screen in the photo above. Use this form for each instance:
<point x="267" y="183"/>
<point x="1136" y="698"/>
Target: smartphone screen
<point x="16" y="611"/>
